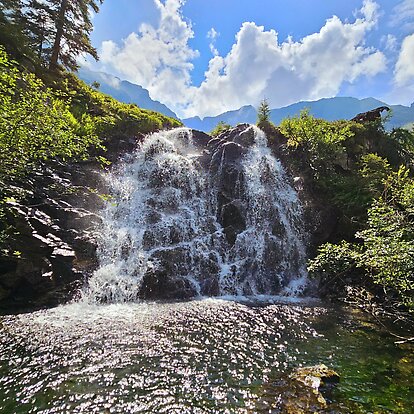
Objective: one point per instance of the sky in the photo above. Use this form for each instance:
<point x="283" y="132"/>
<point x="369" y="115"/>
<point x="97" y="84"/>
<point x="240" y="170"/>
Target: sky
<point x="206" y="57"/>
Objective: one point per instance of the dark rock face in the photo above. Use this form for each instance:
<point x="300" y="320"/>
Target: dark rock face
<point x="371" y="116"/>
<point x="53" y="240"/>
<point x="227" y="152"/>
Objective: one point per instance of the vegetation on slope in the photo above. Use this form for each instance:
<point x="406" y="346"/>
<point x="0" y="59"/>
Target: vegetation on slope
<point x="66" y="121"/>
<point x="366" y="173"/>
<point x="219" y="128"/>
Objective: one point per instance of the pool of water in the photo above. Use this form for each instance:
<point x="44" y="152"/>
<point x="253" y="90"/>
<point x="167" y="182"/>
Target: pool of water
<point x="204" y="356"/>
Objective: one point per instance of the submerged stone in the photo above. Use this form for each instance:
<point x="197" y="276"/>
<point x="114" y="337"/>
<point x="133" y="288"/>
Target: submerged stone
<point x="306" y="390"/>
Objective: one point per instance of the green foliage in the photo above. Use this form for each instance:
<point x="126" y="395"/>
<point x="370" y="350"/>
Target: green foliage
<point x="109" y="117"/>
<point x="374" y="170"/>
<point x="219" y="128"/>
<point x="71" y="20"/>
<point x="385" y="251"/>
<point x="12" y="30"/>
<point x="36" y="124"/>
<point x="322" y="141"/>
<point x="334" y="260"/>
<point x="263" y="113"/>
<point x="403" y="140"/>
<point x="43" y="33"/>
<point x="364" y="172"/>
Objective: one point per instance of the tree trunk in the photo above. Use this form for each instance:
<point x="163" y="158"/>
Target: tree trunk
<point x="59" y="34"/>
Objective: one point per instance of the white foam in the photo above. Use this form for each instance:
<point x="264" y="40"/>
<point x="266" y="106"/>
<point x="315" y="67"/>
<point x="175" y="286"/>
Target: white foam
<point x="165" y="205"/>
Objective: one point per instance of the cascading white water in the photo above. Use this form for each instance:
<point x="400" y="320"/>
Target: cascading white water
<point x="271" y="251"/>
<point x="159" y="208"/>
<point x="162" y="227"/>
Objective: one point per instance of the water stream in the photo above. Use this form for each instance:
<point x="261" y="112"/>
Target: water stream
<point x="205" y="356"/>
<point x="166" y="228"/>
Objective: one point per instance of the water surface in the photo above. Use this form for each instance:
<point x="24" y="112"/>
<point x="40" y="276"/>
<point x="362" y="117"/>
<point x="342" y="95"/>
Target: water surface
<point x="205" y="356"/>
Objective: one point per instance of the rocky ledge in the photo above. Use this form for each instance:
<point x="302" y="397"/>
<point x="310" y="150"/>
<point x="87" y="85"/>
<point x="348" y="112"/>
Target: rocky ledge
<point x="51" y="246"/>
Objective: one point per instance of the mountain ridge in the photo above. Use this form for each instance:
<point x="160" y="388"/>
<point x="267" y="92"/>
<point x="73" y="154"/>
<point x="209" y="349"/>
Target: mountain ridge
<point x="124" y="91"/>
<point x="327" y="108"/>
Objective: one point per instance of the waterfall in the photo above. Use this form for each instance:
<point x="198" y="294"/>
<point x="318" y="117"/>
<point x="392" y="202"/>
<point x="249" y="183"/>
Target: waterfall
<point x="270" y="254"/>
<point x="165" y="235"/>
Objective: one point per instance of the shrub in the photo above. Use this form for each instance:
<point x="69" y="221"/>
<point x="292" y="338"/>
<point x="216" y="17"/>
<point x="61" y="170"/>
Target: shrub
<point x="385" y="252"/>
<point x="322" y="141"/>
<point x="219" y="128"/>
<point x="36" y="123"/>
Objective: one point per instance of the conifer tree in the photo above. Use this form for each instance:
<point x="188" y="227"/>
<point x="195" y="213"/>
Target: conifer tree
<point x="40" y="28"/>
<point x="263" y="113"/>
<point x="72" y="24"/>
<point x="12" y="29"/>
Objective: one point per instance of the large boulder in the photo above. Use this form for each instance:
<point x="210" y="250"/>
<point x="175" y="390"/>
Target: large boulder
<point x="305" y="390"/>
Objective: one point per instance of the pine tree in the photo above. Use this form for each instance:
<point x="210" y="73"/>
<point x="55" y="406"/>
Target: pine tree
<point x="12" y="29"/>
<point x="72" y="24"/>
<point x="263" y="113"/>
<point x="40" y="28"/>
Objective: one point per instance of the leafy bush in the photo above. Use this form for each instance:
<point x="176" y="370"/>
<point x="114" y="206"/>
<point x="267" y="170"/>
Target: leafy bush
<point x="36" y="123"/>
<point x="322" y="141"/>
<point x="219" y="128"/>
<point x="385" y="252"/>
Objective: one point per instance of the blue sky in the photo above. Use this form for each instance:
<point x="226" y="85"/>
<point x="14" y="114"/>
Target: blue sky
<point x="204" y="57"/>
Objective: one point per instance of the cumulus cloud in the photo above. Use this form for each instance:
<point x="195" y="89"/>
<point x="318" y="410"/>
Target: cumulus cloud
<point x="316" y="66"/>
<point x="258" y="64"/>
<point x="404" y="68"/>
<point x="158" y="58"/>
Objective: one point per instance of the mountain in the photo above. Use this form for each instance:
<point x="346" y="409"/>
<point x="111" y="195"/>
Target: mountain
<point x="124" y="91"/>
<point x="327" y="108"/>
<point x="246" y="114"/>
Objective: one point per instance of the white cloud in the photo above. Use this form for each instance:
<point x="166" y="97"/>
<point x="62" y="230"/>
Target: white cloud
<point x="213" y="35"/>
<point x="257" y="65"/>
<point x="389" y="42"/>
<point x="403" y="15"/>
<point x="158" y="58"/>
<point x="404" y="68"/>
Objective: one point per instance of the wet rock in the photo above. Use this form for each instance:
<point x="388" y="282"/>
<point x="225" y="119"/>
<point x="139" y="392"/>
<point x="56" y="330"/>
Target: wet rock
<point x="306" y="390"/>
<point x="233" y="220"/>
<point x="4" y="293"/>
<point x="318" y="377"/>
<point x="50" y="236"/>
<point x="200" y="139"/>
<point x="313" y="386"/>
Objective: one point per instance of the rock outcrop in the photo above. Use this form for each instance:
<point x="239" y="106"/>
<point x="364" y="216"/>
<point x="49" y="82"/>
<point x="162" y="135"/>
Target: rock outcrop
<point x="306" y="390"/>
<point x="221" y="218"/>
<point x="371" y="116"/>
<point x="52" y="247"/>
